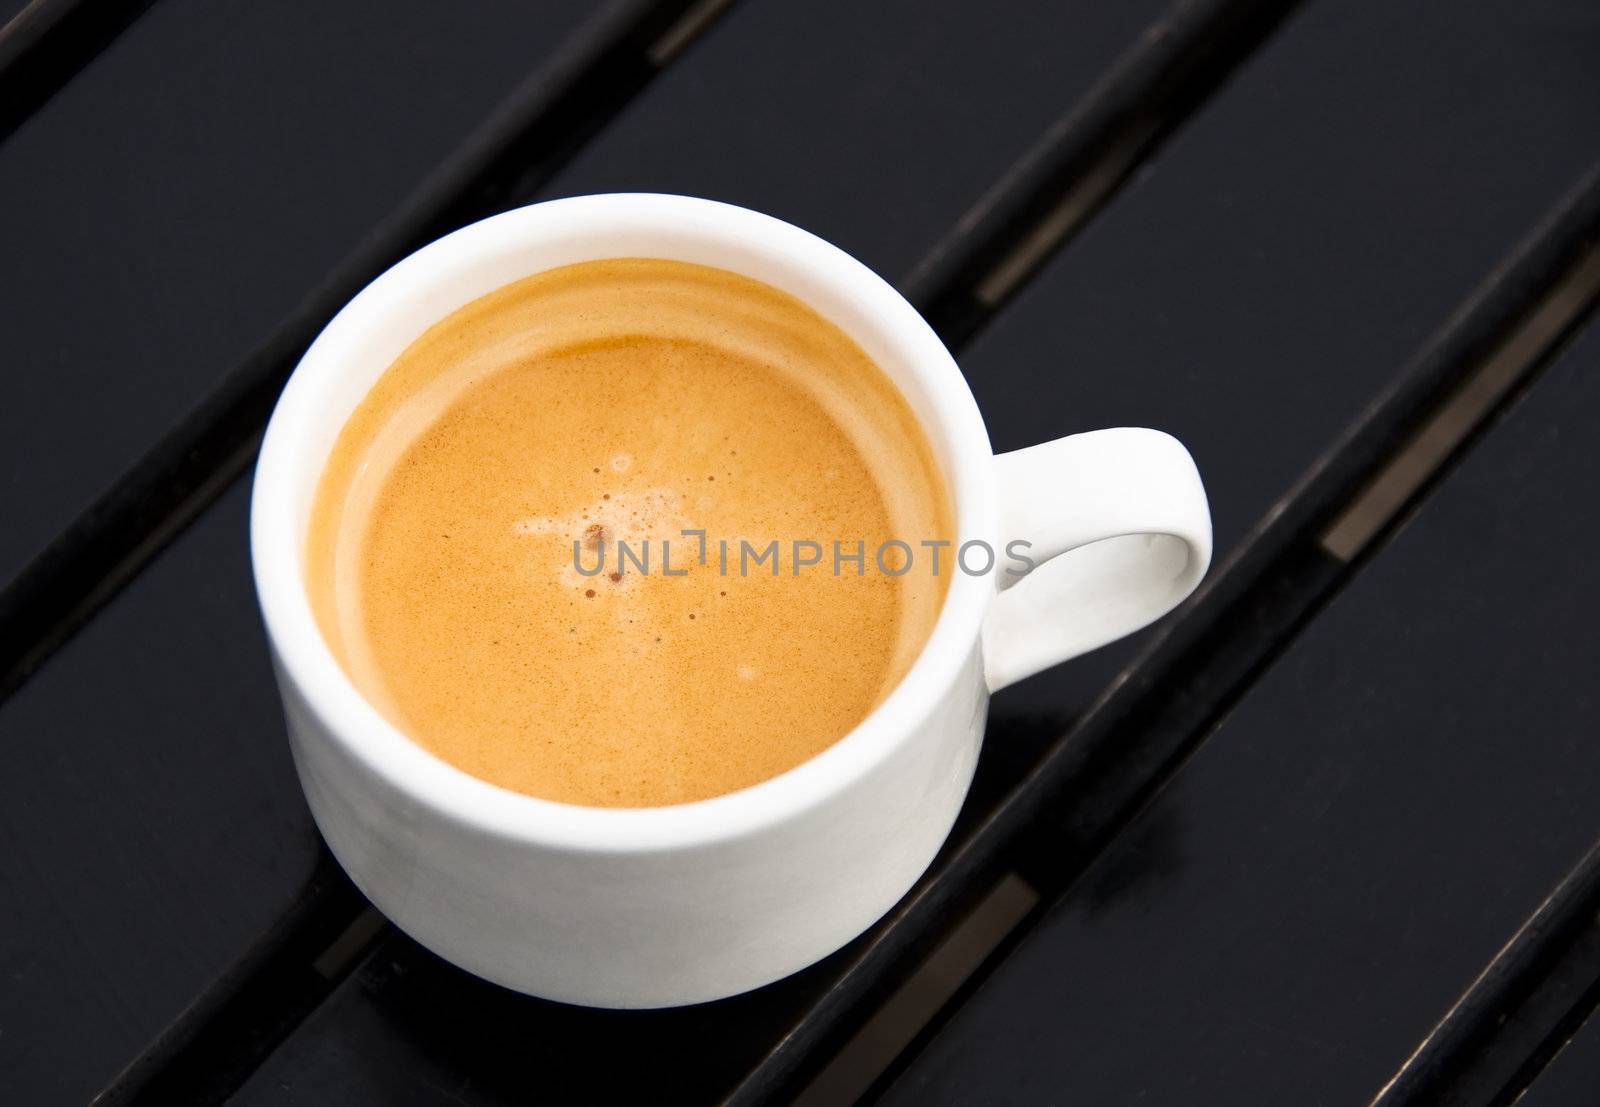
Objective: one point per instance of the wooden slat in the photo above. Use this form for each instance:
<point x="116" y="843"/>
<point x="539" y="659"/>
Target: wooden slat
<point x="1367" y="828"/>
<point x="167" y="209"/>
<point x="744" y="63"/>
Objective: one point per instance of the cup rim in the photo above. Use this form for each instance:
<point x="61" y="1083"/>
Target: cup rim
<point x="348" y="719"/>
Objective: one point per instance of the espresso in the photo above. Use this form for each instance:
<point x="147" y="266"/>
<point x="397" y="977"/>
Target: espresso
<point x="497" y="552"/>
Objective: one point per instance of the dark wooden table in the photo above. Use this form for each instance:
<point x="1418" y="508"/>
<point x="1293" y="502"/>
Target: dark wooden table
<point x="1324" y="836"/>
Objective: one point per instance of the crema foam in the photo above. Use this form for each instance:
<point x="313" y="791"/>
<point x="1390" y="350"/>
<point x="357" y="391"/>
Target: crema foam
<point x="464" y="549"/>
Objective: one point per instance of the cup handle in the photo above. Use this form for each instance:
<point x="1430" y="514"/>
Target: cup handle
<point x="1115" y="532"/>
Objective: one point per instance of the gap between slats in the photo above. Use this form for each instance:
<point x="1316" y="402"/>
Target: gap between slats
<point x="207" y="1051"/>
<point x="49" y="41"/>
<point x="1519" y="1013"/>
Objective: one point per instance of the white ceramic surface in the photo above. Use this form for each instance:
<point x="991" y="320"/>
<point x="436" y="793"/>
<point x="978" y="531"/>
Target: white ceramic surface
<point x="673" y="905"/>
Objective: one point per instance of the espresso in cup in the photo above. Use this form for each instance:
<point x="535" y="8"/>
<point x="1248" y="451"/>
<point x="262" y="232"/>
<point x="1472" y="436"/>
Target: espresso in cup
<point x="629" y="533"/>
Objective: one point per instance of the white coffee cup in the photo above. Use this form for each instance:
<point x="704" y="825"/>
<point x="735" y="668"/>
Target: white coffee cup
<point x="656" y="907"/>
